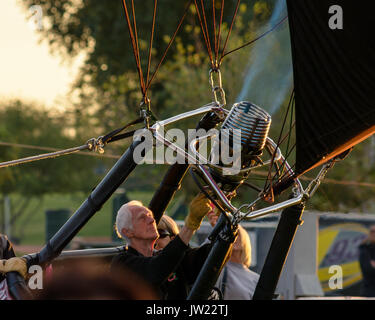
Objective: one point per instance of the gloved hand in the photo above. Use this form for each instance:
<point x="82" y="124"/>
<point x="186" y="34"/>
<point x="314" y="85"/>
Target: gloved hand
<point x="199" y="207"/>
<point x="14" y="264"/>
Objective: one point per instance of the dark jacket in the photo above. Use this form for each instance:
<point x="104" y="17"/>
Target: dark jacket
<point x="180" y="282"/>
<point x="367" y="253"/>
<point x="170" y="271"/>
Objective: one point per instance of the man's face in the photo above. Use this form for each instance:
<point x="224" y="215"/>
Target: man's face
<point x="144" y="225"/>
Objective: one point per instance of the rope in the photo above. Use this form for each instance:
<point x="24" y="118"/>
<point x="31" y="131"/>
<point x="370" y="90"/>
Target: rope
<point x="327" y="181"/>
<point x="92" y="145"/>
<point x="26" y="146"/>
<point x="205" y="36"/>
<point x="230" y="30"/>
<point x="169" y="44"/>
<point x="291" y="99"/>
<point x="257" y="173"/>
<point x="252" y="41"/>
<point x="132" y="27"/>
<point x="134" y="46"/>
<point x="219" y="31"/>
<point x="151" y="41"/>
<point x="43" y="156"/>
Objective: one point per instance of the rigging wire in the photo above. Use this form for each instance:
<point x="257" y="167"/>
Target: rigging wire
<point x="255" y="39"/>
<point x="137" y="50"/>
<point x="169" y="44"/>
<point x="134" y="46"/>
<point x="44" y="156"/>
<point x="92" y="145"/>
<point x="132" y="27"/>
<point x="205" y="36"/>
<point x="215" y="63"/>
<point x="291" y="125"/>
<point x="33" y="147"/>
<point x="268" y="184"/>
<point x="230" y="30"/>
<point x="151" y="41"/>
<point x="219" y="31"/>
<point x="255" y="172"/>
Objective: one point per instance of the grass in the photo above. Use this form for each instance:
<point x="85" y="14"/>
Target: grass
<point x="33" y="223"/>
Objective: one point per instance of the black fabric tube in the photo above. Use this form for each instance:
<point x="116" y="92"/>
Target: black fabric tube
<point x="16" y="284"/>
<point x="114" y="178"/>
<point x="214" y="264"/>
<point x="17" y="287"/>
<point x="175" y="174"/>
<point x="282" y="240"/>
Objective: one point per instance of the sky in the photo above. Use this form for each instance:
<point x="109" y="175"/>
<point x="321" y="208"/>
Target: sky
<point x="27" y="68"/>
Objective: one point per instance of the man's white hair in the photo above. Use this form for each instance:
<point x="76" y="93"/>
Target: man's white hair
<point x="124" y="219"/>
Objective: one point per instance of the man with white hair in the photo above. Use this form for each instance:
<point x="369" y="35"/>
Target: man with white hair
<point x="136" y="224"/>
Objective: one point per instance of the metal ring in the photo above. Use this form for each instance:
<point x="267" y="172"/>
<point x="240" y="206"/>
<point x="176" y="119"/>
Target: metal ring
<point x="222" y="94"/>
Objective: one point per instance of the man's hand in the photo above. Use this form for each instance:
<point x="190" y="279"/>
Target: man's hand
<point x="199" y="207"/>
<point x="372" y="263"/>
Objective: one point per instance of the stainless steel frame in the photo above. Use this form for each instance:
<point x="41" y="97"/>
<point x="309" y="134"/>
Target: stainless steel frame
<point x="236" y="214"/>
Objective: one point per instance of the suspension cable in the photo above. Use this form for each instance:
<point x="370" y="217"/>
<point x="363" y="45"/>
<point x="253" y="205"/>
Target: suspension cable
<point x="230" y="29"/>
<point x="205" y="36"/>
<point x="219" y="31"/>
<point x="151" y="41"/>
<point x="132" y="27"/>
<point x="279" y="141"/>
<point x="46" y="156"/>
<point x="169" y="44"/>
<point x="134" y="46"/>
<point x="253" y="40"/>
<point x="94" y="144"/>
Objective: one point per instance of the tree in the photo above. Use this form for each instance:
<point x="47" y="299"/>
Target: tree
<point x="108" y="81"/>
<point x="29" y="124"/>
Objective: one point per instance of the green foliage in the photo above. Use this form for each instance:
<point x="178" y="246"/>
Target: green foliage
<point x="30" y="125"/>
<point x="108" y="86"/>
<point x="345" y="197"/>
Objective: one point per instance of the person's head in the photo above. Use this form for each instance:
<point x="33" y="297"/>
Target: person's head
<point x="136" y="222"/>
<point x="242" y="247"/>
<point x="371" y="235"/>
<point x="93" y="280"/>
<point x="167" y="229"/>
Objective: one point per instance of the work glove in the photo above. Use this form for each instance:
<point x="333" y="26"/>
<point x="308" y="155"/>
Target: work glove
<point x="14" y="264"/>
<point x="199" y="207"/>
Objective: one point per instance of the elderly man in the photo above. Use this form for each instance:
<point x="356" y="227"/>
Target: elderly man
<point x="136" y="224"/>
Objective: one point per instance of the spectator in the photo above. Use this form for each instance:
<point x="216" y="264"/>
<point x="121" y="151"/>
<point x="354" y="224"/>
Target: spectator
<point x="91" y="280"/>
<point x="367" y="263"/>
<point x="136" y="224"/>
<point x="237" y="281"/>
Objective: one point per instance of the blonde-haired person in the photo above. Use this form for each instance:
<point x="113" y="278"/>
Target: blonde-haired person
<point x="237" y="281"/>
